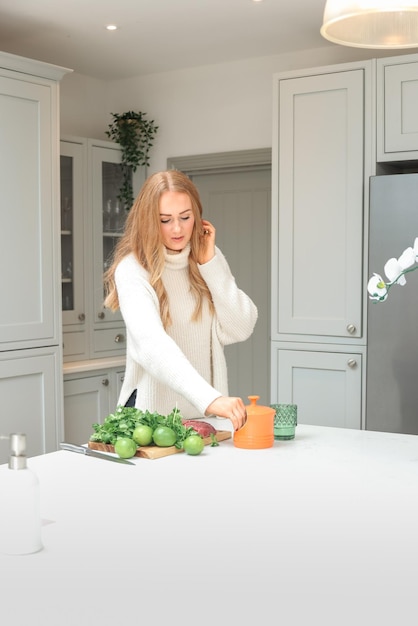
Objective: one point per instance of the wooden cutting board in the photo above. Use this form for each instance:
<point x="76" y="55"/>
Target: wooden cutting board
<point x="156" y="452"/>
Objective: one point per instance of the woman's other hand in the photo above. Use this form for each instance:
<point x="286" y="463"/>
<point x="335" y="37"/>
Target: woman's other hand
<point x="207" y="243"/>
<point x="231" y="408"/>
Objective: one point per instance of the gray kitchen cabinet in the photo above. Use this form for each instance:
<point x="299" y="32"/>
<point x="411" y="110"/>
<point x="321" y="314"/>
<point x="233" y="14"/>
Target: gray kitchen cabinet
<point x="91" y="223"/>
<point x="326" y="386"/>
<point x="30" y="324"/>
<point x="322" y="126"/>
<point x="397" y="105"/>
<point x="120" y="375"/>
<point x="31" y="392"/>
<point x="74" y="232"/>
<point x="88" y="398"/>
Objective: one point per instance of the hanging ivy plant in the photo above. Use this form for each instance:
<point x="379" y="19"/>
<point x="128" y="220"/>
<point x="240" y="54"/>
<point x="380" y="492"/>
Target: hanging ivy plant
<point x="135" y="134"/>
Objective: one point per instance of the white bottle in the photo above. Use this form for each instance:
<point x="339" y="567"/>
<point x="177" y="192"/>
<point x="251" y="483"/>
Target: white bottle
<point x="20" y="519"/>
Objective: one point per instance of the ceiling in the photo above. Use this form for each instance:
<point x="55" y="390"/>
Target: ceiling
<point x="156" y="35"/>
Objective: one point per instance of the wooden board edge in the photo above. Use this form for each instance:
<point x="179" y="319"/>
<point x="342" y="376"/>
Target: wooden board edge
<point x="155" y="452"/>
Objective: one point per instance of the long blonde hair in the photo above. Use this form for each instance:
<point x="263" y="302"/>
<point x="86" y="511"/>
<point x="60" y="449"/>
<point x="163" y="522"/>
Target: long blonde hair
<point x="142" y="237"/>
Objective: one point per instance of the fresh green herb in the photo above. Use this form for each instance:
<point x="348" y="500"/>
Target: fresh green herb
<point x="214" y="441"/>
<point x="124" y="420"/>
<point x="174" y="421"/>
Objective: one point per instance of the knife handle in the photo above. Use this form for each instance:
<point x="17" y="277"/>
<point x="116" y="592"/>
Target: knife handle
<point x="73" y="448"/>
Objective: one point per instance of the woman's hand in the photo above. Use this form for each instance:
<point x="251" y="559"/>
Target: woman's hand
<point x="231" y="408"/>
<point x="207" y="243"/>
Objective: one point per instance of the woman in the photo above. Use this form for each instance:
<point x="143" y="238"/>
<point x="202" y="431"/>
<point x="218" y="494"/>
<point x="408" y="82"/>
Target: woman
<point x="180" y="304"/>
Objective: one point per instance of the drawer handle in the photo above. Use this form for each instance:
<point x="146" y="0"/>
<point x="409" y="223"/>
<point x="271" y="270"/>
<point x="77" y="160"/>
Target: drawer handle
<point x="352" y="363"/>
<point x="81" y="317"/>
<point x="105" y="382"/>
<point x="351" y="329"/>
<point x="119" y="339"/>
<point x="101" y="315"/>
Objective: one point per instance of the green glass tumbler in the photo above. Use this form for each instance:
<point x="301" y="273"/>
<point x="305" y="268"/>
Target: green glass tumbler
<point x="285" y="421"/>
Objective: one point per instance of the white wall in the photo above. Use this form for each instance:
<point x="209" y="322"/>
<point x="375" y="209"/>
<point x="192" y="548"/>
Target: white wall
<point x="83" y="106"/>
<point x="215" y="108"/>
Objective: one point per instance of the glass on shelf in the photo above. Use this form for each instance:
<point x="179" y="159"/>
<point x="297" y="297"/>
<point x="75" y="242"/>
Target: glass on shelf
<point x="113" y="217"/>
<point x="68" y="271"/>
<point x="67" y="216"/>
<point x="109" y="244"/>
<point x="67" y="297"/>
<point x="119" y="221"/>
<point x="107" y="216"/>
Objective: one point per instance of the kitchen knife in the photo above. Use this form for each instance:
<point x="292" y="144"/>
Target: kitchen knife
<point x="71" y="447"/>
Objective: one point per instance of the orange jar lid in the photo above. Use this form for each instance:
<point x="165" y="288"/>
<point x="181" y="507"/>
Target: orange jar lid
<point x="258" y="430"/>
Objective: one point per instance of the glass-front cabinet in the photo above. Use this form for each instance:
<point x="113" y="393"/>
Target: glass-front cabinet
<point x="92" y="221"/>
<point x="108" y="221"/>
<point x="108" y="336"/>
<point x="72" y="233"/>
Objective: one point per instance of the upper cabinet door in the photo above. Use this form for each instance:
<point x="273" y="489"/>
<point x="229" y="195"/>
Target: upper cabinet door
<point x="317" y="217"/>
<point x="73" y="227"/>
<point x="29" y="254"/>
<point x="108" y="220"/>
<point x="397" y="106"/>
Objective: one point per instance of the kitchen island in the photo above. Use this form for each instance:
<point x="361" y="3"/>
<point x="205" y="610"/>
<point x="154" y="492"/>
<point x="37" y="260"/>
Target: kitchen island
<point x="322" y="529"/>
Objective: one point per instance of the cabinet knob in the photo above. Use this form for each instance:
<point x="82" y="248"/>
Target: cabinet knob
<point x="81" y="317"/>
<point x="351" y="329"/>
<point x="105" y="382"/>
<point x="119" y="339"/>
<point x="352" y="363"/>
<point x="101" y="315"/>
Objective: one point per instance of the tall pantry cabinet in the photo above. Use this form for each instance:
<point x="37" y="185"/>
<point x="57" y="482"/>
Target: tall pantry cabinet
<point x="30" y="312"/>
<point x="321" y="168"/>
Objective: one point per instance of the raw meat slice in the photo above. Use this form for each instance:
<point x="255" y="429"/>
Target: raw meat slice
<point x="203" y="428"/>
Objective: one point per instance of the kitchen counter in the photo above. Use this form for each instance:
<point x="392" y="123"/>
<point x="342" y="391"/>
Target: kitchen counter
<point x="92" y="365"/>
<point x="319" y="530"/>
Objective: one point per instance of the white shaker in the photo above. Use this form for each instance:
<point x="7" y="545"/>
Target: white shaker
<point x="20" y="518"/>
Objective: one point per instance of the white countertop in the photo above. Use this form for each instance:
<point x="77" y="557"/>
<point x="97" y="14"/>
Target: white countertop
<point x="91" y="365"/>
<point x="319" y="530"/>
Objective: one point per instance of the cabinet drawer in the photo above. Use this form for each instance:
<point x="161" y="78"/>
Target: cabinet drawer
<point x="109" y="341"/>
<point x="74" y="344"/>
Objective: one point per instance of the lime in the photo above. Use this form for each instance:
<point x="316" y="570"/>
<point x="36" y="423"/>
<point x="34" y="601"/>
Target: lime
<point x="164" y="436"/>
<point x="193" y="444"/>
<point x="125" y="447"/>
<point x="142" y="435"/>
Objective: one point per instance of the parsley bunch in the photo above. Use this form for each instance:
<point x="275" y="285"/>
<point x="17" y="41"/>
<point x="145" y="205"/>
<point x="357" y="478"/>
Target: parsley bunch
<point x="124" y="420"/>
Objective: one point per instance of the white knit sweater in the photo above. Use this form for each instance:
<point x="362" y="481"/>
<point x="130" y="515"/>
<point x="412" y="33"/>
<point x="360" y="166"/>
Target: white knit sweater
<point x="185" y="366"/>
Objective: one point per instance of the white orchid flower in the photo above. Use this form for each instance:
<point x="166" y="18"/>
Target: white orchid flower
<point x="416" y="248"/>
<point x="377" y="288"/>
<point x="407" y="258"/>
<point x="395" y="270"/>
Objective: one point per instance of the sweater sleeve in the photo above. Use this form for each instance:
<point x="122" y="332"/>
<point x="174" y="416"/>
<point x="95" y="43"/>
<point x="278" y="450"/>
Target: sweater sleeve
<point x="149" y="345"/>
<point x="236" y="313"/>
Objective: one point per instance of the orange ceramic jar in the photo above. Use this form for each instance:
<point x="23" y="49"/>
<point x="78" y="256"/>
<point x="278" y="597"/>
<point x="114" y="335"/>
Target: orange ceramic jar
<point x="258" y="430"/>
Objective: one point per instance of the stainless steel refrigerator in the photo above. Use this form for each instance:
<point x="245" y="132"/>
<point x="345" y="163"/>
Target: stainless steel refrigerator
<point x="392" y="353"/>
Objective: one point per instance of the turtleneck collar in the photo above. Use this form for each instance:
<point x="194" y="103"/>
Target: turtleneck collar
<point x="177" y="261"/>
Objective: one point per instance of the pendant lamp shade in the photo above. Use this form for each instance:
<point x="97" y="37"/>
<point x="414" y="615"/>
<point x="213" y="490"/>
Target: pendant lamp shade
<point x="371" y="23"/>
